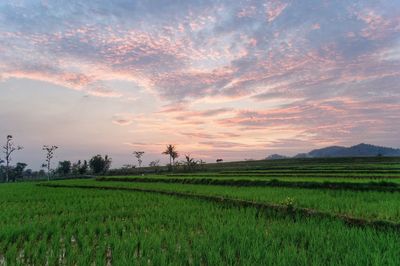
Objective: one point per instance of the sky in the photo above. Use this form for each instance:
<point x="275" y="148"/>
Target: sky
<point x="236" y="80"/>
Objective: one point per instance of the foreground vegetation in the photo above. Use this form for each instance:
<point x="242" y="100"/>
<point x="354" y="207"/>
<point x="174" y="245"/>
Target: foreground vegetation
<point x="74" y="226"/>
<point x="368" y="205"/>
<point x="286" y="212"/>
<point x="312" y="183"/>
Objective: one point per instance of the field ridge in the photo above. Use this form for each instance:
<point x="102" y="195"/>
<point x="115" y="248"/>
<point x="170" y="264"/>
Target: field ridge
<point x="381" y="186"/>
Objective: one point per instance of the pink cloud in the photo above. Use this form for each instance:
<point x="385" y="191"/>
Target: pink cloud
<point x="247" y="11"/>
<point x="198" y="135"/>
<point x="224" y="144"/>
<point x="70" y="80"/>
<point x="104" y="92"/>
<point x="316" y="26"/>
<point x="274" y="9"/>
<point x="377" y="27"/>
<point x="325" y="119"/>
<point x="123" y="119"/>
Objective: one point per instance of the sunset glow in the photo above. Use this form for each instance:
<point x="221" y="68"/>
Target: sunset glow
<point x="219" y="79"/>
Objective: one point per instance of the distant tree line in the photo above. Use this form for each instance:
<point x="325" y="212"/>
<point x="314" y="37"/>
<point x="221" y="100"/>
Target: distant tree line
<point x="97" y="165"/>
<point x="10" y="173"/>
<point x="188" y="164"/>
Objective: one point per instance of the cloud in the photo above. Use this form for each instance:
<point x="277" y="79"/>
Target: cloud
<point x="224" y="144"/>
<point x="198" y="135"/>
<point x="274" y="9"/>
<point x="202" y="114"/>
<point x="376" y="26"/>
<point x="246" y="71"/>
<point x="333" y="119"/>
<point x="196" y="49"/>
<point x="104" y="92"/>
<point x="218" y="135"/>
<point x="123" y="119"/>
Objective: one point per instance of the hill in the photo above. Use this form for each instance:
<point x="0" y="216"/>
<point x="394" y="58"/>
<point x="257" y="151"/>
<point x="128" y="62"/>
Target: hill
<point x="360" y="150"/>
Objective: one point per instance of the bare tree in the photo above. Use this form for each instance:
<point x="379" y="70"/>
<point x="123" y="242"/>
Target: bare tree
<point x="49" y="155"/>
<point x="138" y="155"/>
<point x="8" y="149"/>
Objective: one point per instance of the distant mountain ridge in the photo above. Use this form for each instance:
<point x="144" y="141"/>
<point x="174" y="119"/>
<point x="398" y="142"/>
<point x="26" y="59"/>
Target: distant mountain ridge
<point x="360" y="150"/>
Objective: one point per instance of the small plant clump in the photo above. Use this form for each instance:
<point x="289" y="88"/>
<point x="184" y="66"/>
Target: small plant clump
<point x="289" y="203"/>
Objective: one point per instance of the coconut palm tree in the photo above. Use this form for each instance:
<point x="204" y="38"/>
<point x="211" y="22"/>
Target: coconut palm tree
<point x="190" y="162"/>
<point x="173" y="154"/>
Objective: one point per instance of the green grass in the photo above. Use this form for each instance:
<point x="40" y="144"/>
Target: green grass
<point x="368" y="205"/>
<point x="354" y="186"/>
<point x="365" y="166"/>
<point x="257" y="178"/>
<point x="40" y="226"/>
<point x="264" y="178"/>
<point x="361" y="163"/>
<point x="72" y="226"/>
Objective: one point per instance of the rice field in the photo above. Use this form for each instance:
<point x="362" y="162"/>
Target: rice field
<point x="368" y="205"/>
<point x="47" y="226"/>
<point x="302" y="178"/>
<point x="150" y="220"/>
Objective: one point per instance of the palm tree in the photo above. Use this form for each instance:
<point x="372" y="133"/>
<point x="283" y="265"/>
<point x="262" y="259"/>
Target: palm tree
<point x="190" y="162"/>
<point x="173" y="154"/>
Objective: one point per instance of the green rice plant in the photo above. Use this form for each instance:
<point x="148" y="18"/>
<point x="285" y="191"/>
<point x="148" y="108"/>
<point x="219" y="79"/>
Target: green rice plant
<point x="362" y="204"/>
<point x="71" y="226"/>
